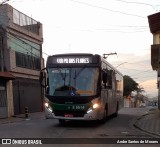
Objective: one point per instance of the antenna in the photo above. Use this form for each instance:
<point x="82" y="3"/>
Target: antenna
<point x="104" y="55"/>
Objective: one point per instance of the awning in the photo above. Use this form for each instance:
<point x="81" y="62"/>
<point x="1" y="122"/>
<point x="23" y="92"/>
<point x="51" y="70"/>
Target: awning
<point x="7" y="76"/>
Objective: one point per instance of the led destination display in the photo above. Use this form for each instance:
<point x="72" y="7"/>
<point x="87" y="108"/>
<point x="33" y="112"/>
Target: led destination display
<point x="73" y="60"/>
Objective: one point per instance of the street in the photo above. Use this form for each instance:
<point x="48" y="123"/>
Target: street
<point x="120" y="127"/>
<point x="115" y="130"/>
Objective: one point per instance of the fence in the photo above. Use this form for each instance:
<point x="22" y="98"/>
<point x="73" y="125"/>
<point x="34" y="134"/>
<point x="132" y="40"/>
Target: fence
<point x="25" y="21"/>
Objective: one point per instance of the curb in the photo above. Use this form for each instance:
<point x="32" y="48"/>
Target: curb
<point x="135" y="124"/>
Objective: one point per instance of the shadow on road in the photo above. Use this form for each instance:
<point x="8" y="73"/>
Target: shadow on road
<point x="83" y="124"/>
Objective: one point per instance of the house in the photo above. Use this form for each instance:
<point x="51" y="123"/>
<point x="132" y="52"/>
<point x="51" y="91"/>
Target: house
<point x="21" y="60"/>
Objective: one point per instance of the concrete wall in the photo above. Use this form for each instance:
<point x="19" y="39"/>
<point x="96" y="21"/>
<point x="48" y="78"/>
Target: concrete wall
<point x="11" y="28"/>
<point x="4" y="15"/>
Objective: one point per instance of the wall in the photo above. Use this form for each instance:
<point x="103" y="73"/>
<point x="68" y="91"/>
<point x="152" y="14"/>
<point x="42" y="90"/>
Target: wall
<point x="21" y="37"/>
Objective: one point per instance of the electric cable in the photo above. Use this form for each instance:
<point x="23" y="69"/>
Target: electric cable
<point x="103" y="8"/>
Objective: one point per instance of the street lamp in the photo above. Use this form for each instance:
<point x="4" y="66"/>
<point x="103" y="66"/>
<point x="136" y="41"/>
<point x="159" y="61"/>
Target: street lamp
<point x="121" y="64"/>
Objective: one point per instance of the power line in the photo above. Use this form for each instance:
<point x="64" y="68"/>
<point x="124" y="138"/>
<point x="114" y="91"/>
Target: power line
<point x="130" y="69"/>
<point x="126" y="31"/>
<point x="121" y="30"/>
<point x="128" y="26"/>
<point x="25" y="42"/>
<point x="139" y="3"/>
<point x="118" y="29"/>
<point x="22" y="47"/>
<point x="103" y="8"/>
<point x="15" y="1"/>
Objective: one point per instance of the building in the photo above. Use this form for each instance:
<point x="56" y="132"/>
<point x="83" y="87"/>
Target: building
<point x="135" y="101"/>
<point x="21" y="59"/>
<point x="154" y="24"/>
<point x="153" y="102"/>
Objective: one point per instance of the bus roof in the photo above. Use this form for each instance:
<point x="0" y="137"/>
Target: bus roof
<point x="85" y="54"/>
<point x="111" y="66"/>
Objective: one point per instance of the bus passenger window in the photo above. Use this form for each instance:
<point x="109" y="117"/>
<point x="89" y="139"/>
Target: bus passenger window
<point x="104" y="79"/>
<point x="109" y="85"/>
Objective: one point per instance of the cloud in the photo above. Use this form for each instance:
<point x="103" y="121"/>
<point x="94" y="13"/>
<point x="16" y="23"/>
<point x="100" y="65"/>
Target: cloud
<point x="150" y="87"/>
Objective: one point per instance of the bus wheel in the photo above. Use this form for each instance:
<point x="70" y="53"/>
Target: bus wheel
<point x="116" y="113"/>
<point x="104" y="116"/>
<point x="61" y="121"/>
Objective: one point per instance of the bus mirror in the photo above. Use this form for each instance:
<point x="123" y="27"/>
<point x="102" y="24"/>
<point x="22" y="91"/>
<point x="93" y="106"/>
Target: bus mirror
<point x="105" y="77"/>
<point x="42" y="78"/>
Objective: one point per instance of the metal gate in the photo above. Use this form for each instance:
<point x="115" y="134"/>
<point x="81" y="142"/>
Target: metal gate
<point x="3" y="100"/>
<point x="27" y="93"/>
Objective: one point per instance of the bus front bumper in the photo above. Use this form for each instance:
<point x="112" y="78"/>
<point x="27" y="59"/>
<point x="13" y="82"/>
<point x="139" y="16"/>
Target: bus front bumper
<point x="94" y="115"/>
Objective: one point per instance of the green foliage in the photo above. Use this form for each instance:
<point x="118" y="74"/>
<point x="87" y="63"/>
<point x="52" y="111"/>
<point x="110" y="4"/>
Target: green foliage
<point x="129" y="85"/>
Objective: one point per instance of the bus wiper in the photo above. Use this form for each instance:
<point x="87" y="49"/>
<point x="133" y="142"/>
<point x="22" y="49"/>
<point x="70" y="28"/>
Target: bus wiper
<point x="76" y="75"/>
<point x="63" y="77"/>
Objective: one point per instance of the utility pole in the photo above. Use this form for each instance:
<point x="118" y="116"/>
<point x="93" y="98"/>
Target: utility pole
<point x="104" y="55"/>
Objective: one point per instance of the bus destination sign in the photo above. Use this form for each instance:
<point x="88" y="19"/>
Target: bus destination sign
<point x="73" y="60"/>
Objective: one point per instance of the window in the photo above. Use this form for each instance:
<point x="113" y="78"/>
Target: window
<point x="27" y="53"/>
<point x="27" y="61"/>
<point x="73" y="81"/>
<point x="24" y="46"/>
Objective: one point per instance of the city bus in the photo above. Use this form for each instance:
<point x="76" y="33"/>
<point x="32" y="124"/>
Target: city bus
<point x="81" y="86"/>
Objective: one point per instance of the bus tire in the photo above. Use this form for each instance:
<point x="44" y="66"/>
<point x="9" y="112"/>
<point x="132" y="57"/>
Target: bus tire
<point x="61" y="121"/>
<point x="103" y="120"/>
<point x="116" y="113"/>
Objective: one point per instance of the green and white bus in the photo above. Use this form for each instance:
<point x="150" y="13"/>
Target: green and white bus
<point x="81" y="86"/>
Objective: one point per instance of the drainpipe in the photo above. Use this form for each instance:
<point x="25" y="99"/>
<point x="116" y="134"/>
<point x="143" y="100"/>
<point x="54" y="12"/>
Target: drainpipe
<point x="2" y="47"/>
<point x="2" y="63"/>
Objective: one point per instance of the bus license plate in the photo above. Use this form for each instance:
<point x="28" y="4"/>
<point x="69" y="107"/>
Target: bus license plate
<point x="68" y="115"/>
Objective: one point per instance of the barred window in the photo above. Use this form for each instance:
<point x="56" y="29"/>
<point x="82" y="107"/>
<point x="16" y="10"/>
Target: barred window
<point x="27" y="61"/>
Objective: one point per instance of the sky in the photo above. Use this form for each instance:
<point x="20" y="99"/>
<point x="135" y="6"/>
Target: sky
<point x="99" y="27"/>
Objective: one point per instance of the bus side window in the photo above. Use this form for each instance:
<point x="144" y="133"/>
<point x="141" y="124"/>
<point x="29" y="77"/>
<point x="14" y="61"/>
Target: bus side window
<point x="110" y="79"/>
<point x="104" y="79"/>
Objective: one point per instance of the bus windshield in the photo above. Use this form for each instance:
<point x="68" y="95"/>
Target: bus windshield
<point x="80" y="81"/>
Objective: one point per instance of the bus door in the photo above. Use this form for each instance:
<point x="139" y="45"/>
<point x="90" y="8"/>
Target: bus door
<point x="112" y="102"/>
<point x="114" y="91"/>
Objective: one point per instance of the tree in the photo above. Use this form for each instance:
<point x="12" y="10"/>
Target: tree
<point x="129" y="85"/>
<point x="139" y="97"/>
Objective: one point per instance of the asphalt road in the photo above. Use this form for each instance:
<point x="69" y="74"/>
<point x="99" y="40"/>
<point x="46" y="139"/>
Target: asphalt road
<point x="119" y="127"/>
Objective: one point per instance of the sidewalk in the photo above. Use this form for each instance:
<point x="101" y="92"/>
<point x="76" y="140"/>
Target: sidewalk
<point x="22" y="117"/>
<point x="149" y="122"/>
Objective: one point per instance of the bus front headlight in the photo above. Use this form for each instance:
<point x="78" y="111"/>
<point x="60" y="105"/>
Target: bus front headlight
<point x="94" y="106"/>
<point x="48" y="106"/>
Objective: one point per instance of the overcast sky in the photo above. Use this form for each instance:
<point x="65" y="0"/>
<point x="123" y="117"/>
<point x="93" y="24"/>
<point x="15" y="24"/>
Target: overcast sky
<point x="98" y="27"/>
